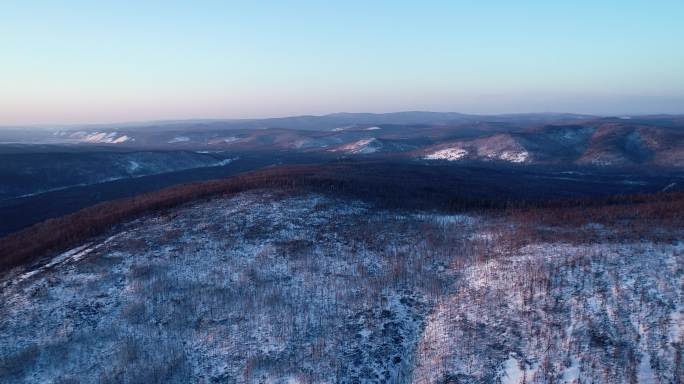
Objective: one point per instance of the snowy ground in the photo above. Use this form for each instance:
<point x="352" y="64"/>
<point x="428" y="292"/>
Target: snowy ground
<point x="560" y="313"/>
<point x="265" y="287"/>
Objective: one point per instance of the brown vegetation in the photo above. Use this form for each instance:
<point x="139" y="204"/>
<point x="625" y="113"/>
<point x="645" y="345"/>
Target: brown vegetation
<point x="55" y="234"/>
<point x="655" y="217"/>
<point x="385" y="186"/>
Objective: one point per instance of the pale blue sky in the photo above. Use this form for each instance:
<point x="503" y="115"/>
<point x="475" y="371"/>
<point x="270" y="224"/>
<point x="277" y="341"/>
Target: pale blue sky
<point x="104" y="61"/>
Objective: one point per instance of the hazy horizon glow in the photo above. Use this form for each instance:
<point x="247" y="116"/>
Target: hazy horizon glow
<point x="93" y="62"/>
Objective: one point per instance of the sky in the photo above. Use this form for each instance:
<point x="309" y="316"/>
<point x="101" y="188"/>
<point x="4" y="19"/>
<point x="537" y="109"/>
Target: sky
<point x="64" y="62"/>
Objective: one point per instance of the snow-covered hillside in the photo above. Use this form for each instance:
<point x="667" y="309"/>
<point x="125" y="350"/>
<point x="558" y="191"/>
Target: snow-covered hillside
<point x="561" y="313"/>
<point x="272" y="287"/>
<point x="361" y="147"/>
<point x="498" y="147"/>
<point x="95" y="137"/>
<point x="450" y="154"/>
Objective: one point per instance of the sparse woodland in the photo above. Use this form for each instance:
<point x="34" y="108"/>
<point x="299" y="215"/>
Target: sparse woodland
<point x="314" y="279"/>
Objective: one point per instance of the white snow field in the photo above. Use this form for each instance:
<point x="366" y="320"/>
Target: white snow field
<point x="269" y="287"/>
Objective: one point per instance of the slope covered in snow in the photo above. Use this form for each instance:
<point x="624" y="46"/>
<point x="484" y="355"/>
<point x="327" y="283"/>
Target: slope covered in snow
<point x="97" y="137"/>
<point x="450" y="154"/>
<point x="360" y="147"/>
<point x="269" y="286"/>
<point x="501" y="147"/>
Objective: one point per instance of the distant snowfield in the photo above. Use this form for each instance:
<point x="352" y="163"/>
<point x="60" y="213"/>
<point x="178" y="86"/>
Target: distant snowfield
<point x="98" y="137"/>
<point x="179" y="139"/>
<point x="450" y="154"/>
<point x="513" y="157"/>
<point x="267" y="287"/>
<point x="227" y="140"/>
<point x="361" y="147"/>
<point x="458" y="153"/>
<point x="340" y="129"/>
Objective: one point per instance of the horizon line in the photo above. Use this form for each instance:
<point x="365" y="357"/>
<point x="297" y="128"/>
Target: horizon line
<point x="232" y="119"/>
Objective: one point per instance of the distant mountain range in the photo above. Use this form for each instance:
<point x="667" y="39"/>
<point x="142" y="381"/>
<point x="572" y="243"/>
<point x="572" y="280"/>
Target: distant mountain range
<point x="425" y="136"/>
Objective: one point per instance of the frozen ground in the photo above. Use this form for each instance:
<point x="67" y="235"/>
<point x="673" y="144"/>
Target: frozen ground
<point x="561" y="313"/>
<point x="268" y="287"/>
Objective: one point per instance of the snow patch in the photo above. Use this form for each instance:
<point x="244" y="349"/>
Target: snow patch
<point x="442" y="219"/>
<point x="361" y="147"/>
<point x="512" y="372"/>
<point x="572" y="373"/>
<point x="226" y="140"/>
<point x="450" y="154"/>
<point x="133" y="166"/>
<point x="225" y="162"/>
<point x="100" y="137"/>
<point x="514" y="157"/>
<point x="70" y="256"/>
<point x="121" y="139"/>
<point x="677" y="325"/>
<point x="668" y="187"/>
<point x="179" y="139"/>
<point x="645" y="374"/>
